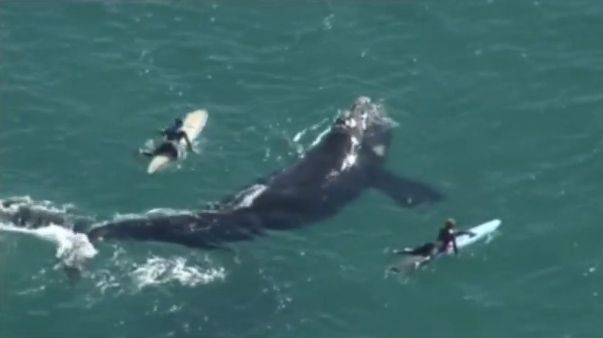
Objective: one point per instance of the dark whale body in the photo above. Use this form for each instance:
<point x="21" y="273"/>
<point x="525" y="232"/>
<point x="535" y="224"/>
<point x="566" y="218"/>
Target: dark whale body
<point x="312" y="189"/>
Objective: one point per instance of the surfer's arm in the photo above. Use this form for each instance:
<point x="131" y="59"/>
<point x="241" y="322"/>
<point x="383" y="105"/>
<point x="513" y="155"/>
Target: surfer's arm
<point x="464" y="232"/>
<point x="188" y="142"/>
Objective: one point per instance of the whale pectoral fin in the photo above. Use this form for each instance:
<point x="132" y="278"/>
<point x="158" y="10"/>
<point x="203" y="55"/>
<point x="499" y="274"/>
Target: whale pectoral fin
<point x="405" y="192"/>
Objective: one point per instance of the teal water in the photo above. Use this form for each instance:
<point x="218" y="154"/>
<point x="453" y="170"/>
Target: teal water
<point x="499" y="105"/>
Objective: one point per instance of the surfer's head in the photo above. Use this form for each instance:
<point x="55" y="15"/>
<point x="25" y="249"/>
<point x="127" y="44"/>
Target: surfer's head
<point x="178" y="122"/>
<point x="449" y="224"/>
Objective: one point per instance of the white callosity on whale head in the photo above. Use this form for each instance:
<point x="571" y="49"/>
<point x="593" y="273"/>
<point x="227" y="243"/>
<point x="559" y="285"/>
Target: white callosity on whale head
<point x="356" y="119"/>
<point x="365" y="104"/>
<point x="377" y="126"/>
<point x="361" y="116"/>
<point x="363" y="119"/>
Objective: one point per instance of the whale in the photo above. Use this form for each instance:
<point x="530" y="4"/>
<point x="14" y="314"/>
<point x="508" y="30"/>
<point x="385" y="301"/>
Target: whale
<point x="348" y="160"/>
<point x="23" y="212"/>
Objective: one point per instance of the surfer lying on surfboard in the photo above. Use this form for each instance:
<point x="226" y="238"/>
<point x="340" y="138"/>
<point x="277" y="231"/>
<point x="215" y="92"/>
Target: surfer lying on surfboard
<point x="175" y="133"/>
<point x="172" y="134"/>
<point x="446" y="238"/>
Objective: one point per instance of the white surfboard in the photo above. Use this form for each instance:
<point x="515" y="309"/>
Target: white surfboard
<point x="192" y="124"/>
<point x="481" y="231"/>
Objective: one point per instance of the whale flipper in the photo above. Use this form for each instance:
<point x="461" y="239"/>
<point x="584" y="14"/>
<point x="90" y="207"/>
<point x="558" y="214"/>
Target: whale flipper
<point x="406" y="192"/>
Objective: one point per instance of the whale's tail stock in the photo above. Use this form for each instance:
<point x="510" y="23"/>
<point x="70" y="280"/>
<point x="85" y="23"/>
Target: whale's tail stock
<point x="44" y="221"/>
<point x="74" y="250"/>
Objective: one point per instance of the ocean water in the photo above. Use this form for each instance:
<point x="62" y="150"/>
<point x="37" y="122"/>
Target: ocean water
<point x="499" y="105"/>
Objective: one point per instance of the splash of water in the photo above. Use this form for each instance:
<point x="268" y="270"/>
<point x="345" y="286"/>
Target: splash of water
<point x="73" y="249"/>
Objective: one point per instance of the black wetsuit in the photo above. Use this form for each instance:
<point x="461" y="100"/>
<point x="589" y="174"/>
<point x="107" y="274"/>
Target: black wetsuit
<point x="445" y="238"/>
<point x="448" y="236"/>
<point x="174" y="134"/>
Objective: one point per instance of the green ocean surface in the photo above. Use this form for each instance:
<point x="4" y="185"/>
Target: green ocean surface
<point x="499" y="105"/>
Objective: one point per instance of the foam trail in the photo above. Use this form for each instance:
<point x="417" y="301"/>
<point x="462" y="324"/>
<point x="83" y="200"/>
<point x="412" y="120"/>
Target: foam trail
<point x="158" y="270"/>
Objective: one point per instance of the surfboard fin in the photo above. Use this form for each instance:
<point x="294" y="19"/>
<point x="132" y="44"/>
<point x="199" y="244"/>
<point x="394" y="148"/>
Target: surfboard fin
<point x="406" y="192"/>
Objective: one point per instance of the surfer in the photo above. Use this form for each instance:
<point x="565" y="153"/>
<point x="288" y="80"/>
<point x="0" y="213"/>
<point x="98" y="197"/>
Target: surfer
<point x="175" y="133"/>
<point x="446" y="237"/>
<point x="172" y="134"/>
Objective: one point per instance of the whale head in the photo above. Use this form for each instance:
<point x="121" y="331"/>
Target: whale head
<point x="369" y="124"/>
<point x="355" y="119"/>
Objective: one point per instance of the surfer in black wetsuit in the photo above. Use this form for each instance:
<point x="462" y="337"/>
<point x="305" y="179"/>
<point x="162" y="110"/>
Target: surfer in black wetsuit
<point x="175" y="133"/>
<point x="171" y="134"/>
<point x="446" y="237"/>
<point x="427" y="251"/>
